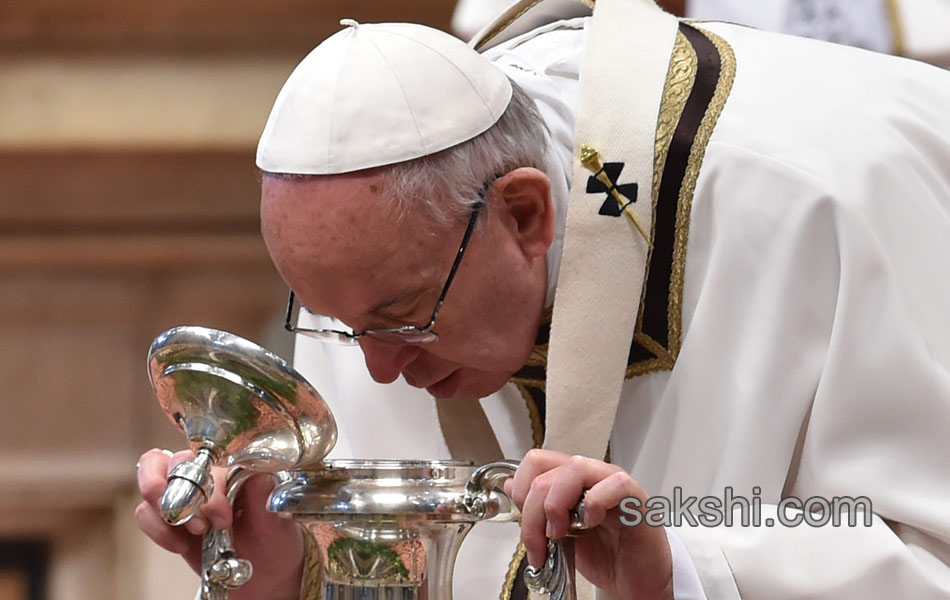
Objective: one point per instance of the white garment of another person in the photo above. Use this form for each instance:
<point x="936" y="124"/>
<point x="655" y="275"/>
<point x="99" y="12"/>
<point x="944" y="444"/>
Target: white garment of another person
<point x="924" y="25"/>
<point x="816" y="340"/>
<point x="913" y="28"/>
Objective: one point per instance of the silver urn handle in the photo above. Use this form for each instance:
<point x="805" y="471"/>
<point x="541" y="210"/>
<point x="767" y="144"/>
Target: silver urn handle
<point x="555" y="578"/>
<point x="221" y="569"/>
<point x="189" y="486"/>
<point x="485" y="498"/>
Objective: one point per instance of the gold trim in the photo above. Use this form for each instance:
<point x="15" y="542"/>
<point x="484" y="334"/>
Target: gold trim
<point x="538" y="358"/>
<point x="311" y="582"/>
<point x="679" y="84"/>
<point x="664" y="360"/>
<point x="537" y="427"/>
<point x="898" y="36"/>
<point x="516" y="11"/>
<point x="500" y="27"/>
<point x="727" y="75"/>
<point x="512" y="575"/>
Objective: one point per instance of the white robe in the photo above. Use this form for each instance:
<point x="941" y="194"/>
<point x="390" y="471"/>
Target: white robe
<point x="816" y="330"/>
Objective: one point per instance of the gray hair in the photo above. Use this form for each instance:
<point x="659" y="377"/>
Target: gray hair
<point x="445" y="185"/>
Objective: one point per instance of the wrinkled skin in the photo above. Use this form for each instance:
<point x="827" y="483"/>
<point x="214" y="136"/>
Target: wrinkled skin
<point x="348" y="253"/>
<point x="629" y="562"/>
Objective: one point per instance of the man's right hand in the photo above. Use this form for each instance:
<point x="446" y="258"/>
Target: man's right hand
<point x="274" y="545"/>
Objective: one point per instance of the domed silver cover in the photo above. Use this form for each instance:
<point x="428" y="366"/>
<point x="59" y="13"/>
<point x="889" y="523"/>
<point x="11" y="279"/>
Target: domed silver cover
<point x="240" y="401"/>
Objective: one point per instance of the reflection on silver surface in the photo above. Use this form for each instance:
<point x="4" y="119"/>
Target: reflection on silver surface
<point x="239" y="405"/>
<point x="239" y="400"/>
<point x="385" y="529"/>
<point x="390" y="529"/>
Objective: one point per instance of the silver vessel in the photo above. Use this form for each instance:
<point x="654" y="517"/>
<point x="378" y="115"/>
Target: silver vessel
<point x="392" y="529"/>
<point x="384" y="529"/>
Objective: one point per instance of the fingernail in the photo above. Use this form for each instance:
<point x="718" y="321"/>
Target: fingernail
<point x="549" y="530"/>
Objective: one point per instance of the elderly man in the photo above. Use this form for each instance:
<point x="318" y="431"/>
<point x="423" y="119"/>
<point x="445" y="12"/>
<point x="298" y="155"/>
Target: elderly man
<point x="742" y="237"/>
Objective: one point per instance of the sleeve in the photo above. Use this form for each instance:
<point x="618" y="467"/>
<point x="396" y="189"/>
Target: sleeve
<point x="686" y="582"/>
<point x="877" y="423"/>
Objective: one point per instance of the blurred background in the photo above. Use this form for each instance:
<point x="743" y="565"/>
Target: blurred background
<point x="128" y="205"/>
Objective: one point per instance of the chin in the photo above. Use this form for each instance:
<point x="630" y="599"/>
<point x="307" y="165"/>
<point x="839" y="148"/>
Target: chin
<point x="481" y="384"/>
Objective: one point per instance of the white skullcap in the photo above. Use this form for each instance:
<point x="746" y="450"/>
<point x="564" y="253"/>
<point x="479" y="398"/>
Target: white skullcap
<point x="373" y="95"/>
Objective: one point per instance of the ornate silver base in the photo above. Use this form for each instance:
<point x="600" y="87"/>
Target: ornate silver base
<point x="391" y="529"/>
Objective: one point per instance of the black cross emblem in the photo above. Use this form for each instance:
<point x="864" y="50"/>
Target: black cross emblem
<point x="602" y="182"/>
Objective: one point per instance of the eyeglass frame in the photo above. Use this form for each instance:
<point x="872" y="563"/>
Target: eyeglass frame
<point x="346" y="337"/>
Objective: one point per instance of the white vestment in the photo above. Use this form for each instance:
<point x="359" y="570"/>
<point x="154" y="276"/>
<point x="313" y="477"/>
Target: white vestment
<point x="815" y="357"/>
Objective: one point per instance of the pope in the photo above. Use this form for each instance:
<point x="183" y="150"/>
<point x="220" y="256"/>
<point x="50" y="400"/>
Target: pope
<point x="779" y="328"/>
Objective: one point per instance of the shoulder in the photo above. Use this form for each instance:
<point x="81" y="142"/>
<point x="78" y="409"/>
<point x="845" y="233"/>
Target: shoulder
<point x="839" y="114"/>
<point x="555" y="49"/>
<point x="546" y="63"/>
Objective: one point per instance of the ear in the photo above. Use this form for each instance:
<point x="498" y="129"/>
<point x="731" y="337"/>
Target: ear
<point x="522" y="198"/>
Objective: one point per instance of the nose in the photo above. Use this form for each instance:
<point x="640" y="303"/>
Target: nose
<point x="386" y="360"/>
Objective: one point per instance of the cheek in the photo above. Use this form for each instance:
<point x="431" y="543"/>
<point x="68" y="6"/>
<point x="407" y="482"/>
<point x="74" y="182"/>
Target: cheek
<point x="489" y="315"/>
<point x="494" y="334"/>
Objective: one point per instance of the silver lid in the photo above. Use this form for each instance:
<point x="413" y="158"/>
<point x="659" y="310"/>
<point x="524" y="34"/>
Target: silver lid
<point x="241" y="402"/>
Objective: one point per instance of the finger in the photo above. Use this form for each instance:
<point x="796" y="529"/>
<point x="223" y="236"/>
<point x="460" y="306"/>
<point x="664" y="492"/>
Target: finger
<point x="160" y="532"/>
<point x="177" y="458"/>
<point x="577" y="474"/>
<point x="607" y="495"/>
<point x="534" y="519"/>
<point x="255" y="492"/>
<point x="535" y="463"/>
<point x="217" y="510"/>
<point x="152" y="475"/>
<point x="251" y="508"/>
<point x="170" y="538"/>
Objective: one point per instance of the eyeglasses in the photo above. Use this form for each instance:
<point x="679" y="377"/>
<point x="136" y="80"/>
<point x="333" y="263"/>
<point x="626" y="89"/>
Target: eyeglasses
<point x="408" y="334"/>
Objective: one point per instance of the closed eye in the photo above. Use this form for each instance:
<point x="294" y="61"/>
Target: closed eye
<point x="408" y="310"/>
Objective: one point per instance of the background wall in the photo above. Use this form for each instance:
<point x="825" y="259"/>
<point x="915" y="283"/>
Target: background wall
<point x="128" y="205"/>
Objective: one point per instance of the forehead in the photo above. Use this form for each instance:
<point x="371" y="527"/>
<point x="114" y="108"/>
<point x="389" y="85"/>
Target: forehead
<point x="343" y="236"/>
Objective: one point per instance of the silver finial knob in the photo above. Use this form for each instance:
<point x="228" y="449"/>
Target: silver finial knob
<point x="190" y="484"/>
